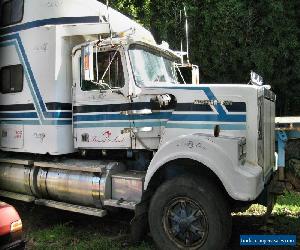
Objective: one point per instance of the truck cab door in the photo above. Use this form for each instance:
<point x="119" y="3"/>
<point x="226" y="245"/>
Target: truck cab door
<point x="98" y="122"/>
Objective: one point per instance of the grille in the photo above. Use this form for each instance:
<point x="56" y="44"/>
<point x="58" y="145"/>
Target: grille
<point x="266" y="131"/>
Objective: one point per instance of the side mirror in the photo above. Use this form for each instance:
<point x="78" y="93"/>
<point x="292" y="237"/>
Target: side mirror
<point x="87" y="62"/>
<point x="195" y="74"/>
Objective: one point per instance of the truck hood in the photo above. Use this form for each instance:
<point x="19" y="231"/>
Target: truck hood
<point x="199" y="108"/>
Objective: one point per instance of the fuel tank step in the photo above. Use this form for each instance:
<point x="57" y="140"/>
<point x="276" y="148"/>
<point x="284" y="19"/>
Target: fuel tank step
<point x="72" y="208"/>
<point x="15" y="160"/>
<point x="16" y="196"/>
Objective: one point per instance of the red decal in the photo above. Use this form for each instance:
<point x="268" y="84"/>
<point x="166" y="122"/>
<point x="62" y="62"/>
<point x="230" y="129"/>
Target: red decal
<point x="107" y="133"/>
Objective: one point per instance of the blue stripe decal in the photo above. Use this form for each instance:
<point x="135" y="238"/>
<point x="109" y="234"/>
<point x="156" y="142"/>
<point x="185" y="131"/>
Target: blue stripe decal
<point x="23" y="122"/>
<point x="16" y="41"/>
<point x="112" y="117"/>
<point x="29" y="70"/>
<point x="18" y="115"/>
<point x="58" y="114"/>
<point x="66" y="115"/>
<point x="4" y="43"/>
<point x="186" y="87"/>
<point x="43" y="114"/>
<point x="208" y="117"/>
<point x="50" y="21"/>
<point x="218" y="107"/>
<point x="105" y="124"/>
<point x="222" y="116"/>
<point x="207" y="126"/>
<point x="174" y="117"/>
<point x="35" y="122"/>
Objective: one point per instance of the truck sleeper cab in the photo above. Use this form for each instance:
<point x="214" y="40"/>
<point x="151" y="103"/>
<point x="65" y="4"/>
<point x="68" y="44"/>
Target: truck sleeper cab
<point x="102" y="122"/>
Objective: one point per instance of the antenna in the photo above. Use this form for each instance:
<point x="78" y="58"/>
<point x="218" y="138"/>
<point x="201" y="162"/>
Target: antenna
<point x="181" y="46"/>
<point x="110" y="32"/>
<point x="187" y="35"/>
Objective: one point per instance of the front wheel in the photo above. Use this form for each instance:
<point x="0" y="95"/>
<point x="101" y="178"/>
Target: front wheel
<point x="189" y="213"/>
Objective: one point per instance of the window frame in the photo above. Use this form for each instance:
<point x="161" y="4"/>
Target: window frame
<point x="22" y="79"/>
<point x="11" y="23"/>
<point x="119" y="54"/>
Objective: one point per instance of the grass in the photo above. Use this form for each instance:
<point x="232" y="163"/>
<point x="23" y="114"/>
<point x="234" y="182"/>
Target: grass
<point x="285" y="219"/>
<point x="64" y="236"/>
<point x="287" y="204"/>
<point x="67" y="231"/>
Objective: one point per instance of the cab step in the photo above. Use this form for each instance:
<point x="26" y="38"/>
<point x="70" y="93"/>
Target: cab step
<point x="71" y="207"/>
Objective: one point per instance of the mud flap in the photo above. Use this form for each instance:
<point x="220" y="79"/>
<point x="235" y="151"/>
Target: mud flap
<point x="139" y="224"/>
<point x="269" y="195"/>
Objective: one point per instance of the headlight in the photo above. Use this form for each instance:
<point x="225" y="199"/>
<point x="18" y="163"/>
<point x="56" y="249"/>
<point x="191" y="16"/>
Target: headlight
<point x="16" y="226"/>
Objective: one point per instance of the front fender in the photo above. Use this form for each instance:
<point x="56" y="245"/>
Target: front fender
<point x="220" y="154"/>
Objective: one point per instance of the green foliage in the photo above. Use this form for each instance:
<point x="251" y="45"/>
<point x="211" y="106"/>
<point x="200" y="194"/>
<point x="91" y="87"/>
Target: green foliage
<point x="287" y="204"/>
<point x="230" y="38"/>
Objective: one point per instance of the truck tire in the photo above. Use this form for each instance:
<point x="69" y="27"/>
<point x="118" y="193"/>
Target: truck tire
<point x="189" y="213"/>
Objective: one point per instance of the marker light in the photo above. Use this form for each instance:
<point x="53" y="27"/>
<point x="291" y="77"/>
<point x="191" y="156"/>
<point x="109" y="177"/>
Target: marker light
<point x="16" y="226"/>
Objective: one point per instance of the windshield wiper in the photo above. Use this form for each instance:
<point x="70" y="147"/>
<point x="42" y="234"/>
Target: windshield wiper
<point x="158" y="78"/>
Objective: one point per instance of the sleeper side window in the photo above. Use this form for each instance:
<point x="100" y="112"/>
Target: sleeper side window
<point x="11" y="79"/>
<point x="11" y="12"/>
<point x="110" y="71"/>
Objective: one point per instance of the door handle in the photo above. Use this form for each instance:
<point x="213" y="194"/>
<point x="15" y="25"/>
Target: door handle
<point x="136" y="130"/>
<point x="137" y="112"/>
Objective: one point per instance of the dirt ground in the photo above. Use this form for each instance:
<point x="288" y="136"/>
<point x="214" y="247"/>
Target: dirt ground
<point x="39" y="223"/>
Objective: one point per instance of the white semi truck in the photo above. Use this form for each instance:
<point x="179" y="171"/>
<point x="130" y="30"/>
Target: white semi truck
<point x="92" y="117"/>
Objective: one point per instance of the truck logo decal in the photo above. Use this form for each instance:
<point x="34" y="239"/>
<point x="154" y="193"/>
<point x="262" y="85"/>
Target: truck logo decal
<point x="212" y="102"/>
<point x="107" y="133"/>
<point x="106" y="137"/>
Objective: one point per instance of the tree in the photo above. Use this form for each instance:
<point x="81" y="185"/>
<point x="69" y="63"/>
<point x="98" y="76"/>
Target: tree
<point x="230" y="38"/>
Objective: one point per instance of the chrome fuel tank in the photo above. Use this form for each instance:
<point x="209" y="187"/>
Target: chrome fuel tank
<point x="76" y="187"/>
<point x="79" y="182"/>
<point x="15" y="178"/>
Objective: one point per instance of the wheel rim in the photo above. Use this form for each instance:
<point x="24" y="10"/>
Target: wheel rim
<point x="186" y="222"/>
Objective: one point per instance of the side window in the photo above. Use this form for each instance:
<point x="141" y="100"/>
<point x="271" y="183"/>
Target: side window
<point x="11" y="11"/>
<point x="11" y="79"/>
<point x="110" y="71"/>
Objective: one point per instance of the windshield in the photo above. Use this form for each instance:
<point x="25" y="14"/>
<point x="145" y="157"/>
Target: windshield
<point x="151" y="67"/>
